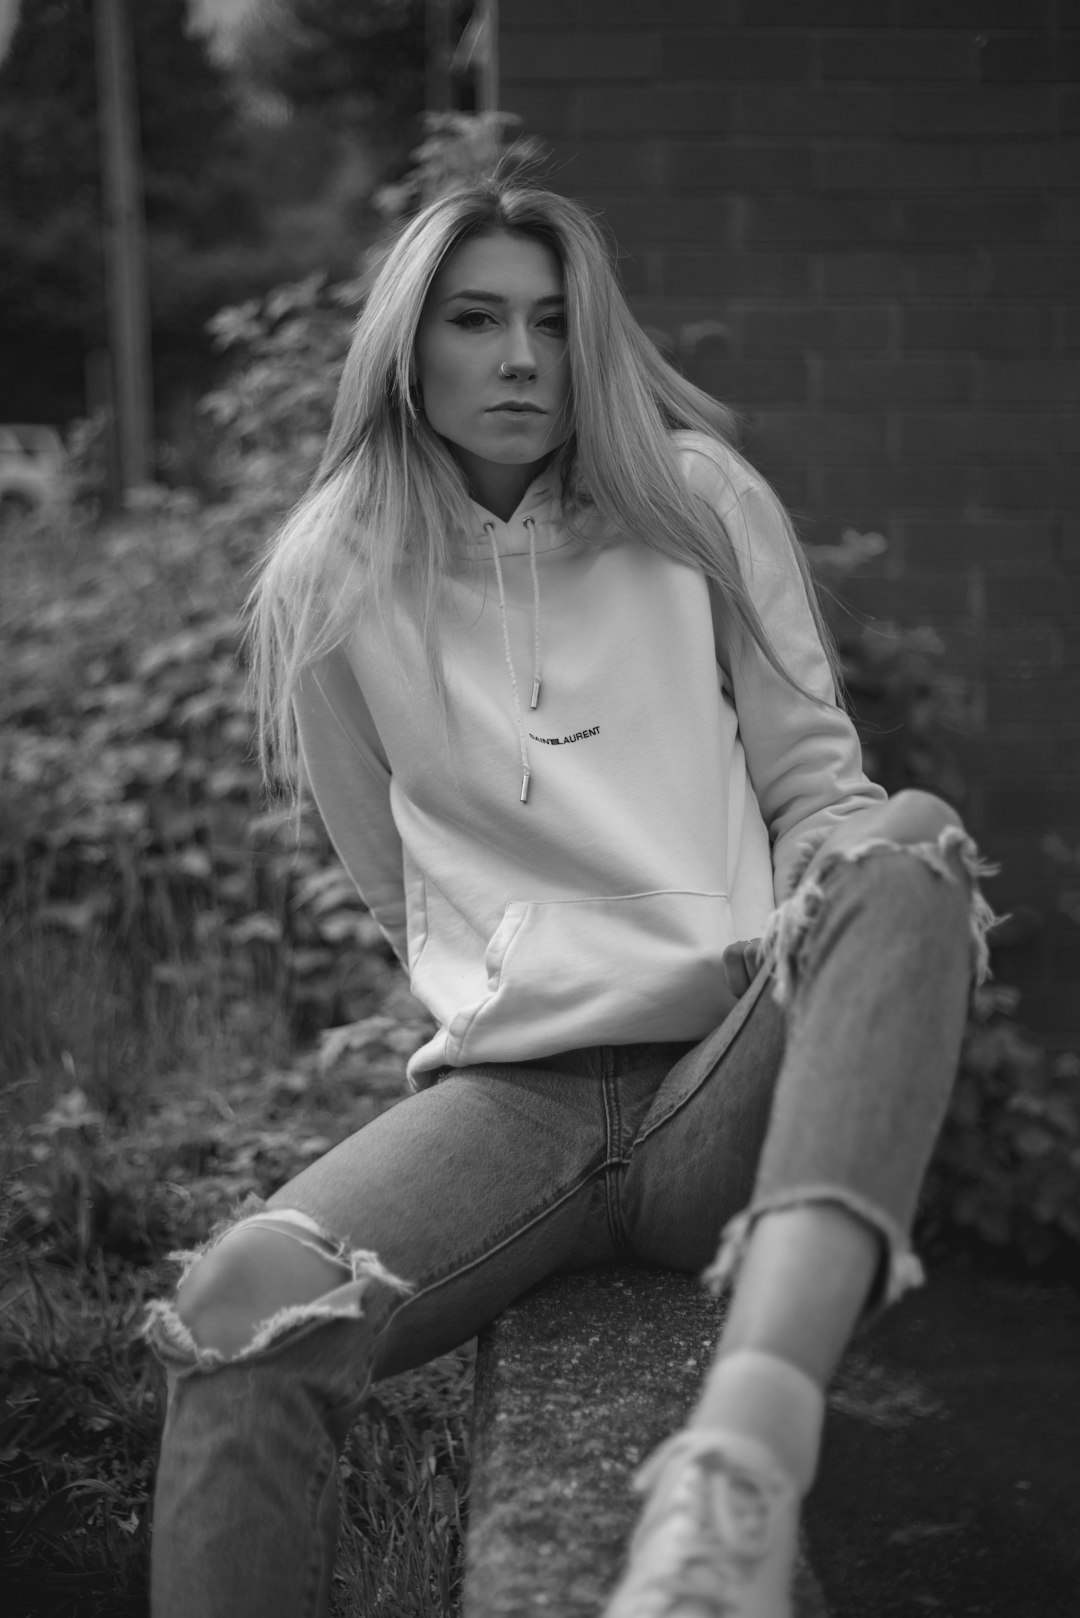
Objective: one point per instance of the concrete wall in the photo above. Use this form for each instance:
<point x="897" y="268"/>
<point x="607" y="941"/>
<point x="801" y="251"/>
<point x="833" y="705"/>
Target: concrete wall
<point x="879" y="201"/>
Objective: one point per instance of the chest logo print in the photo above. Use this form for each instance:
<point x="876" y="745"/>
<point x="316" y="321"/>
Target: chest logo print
<point x="563" y="741"/>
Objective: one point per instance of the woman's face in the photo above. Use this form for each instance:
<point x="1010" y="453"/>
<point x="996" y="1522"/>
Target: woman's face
<point x="491" y="359"/>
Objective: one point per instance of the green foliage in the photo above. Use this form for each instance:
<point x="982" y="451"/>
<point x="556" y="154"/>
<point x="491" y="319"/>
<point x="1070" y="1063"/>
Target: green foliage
<point x="1066" y="857"/>
<point x="908" y="709"/>
<point x="458" y="148"/>
<point x="360" y="62"/>
<point x="1006" y="1171"/>
<point x="234" y="203"/>
<point x="271" y="411"/>
<point x="403" y="1479"/>
<point x="87" y="1217"/>
<point x="51" y="280"/>
<point x="79" y="1418"/>
<point x="135" y="844"/>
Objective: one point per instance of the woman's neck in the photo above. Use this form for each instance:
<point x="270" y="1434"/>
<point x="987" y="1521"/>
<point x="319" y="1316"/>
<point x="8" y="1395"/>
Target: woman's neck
<point x="499" y="489"/>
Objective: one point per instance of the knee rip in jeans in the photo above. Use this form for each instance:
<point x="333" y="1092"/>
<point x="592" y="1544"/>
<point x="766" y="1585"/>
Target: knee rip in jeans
<point x="790" y="922"/>
<point x="166" y="1331"/>
<point x="900" y="1269"/>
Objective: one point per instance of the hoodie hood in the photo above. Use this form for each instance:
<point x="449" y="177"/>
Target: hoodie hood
<point x="540" y="508"/>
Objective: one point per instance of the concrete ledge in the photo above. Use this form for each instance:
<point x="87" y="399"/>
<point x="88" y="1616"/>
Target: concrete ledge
<point x="575" y="1385"/>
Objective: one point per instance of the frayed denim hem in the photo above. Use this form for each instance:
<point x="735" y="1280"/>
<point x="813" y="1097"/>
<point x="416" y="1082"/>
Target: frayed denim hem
<point x="790" y="921"/>
<point x="902" y="1272"/>
<point x="166" y="1332"/>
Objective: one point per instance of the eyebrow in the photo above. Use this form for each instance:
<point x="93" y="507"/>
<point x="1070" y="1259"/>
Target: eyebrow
<point x="496" y="297"/>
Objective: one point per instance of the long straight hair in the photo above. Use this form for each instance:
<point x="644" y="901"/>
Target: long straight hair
<point x="388" y="499"/>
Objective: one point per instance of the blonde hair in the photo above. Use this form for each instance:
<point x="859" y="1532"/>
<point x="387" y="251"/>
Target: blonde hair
<point x="388" y="498"/>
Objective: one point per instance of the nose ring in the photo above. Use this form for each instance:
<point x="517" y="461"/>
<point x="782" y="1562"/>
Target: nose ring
<point x="504" y="372"/>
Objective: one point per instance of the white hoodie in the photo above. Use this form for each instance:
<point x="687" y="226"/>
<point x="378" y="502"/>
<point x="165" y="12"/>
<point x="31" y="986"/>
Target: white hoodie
<point x="671" y="786"/>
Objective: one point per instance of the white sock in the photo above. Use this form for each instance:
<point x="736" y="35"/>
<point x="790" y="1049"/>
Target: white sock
<point x="768" y="1399"/>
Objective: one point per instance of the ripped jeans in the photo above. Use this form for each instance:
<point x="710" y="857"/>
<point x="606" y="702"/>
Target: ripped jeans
<point x="831" y="1087"/>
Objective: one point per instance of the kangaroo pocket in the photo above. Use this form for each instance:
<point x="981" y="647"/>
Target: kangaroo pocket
<point x="564" y="973"/>
<point x="416" y="909"/>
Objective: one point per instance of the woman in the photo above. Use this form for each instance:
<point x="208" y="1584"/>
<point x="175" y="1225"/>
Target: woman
<point x="545" y="648"/>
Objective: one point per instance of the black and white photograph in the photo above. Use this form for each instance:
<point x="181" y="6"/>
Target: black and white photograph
<point x="539" y="808"/>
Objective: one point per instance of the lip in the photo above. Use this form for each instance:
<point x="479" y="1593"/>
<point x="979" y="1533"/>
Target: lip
<point x="517" y="407"/>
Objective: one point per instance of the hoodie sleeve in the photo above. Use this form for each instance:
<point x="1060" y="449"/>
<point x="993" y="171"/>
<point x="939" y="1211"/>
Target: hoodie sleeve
<point x="804" y="760"/>
<point x="346" y="767"/>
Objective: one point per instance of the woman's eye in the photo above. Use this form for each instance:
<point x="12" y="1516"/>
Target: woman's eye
<point x="472" y="319"/>
<point x="554" y="325"/>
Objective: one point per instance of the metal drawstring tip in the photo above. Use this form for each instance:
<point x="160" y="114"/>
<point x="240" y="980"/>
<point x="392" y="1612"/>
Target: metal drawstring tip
<point x="525" y="786"/>
<point x="535" y="703"/>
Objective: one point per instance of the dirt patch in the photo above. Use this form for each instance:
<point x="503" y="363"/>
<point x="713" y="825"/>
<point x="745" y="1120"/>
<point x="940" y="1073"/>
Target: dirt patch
<point x="949" y="1478"/>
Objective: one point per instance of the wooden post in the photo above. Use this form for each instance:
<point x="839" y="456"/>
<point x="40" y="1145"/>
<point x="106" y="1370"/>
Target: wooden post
<point x="125" y="249"/>
<point x="487" y="78"/>
<point x="437" y="55"/>
<point x="9" y="19"/>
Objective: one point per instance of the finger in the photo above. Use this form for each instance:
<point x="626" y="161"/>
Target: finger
<point x="735" y="968"/>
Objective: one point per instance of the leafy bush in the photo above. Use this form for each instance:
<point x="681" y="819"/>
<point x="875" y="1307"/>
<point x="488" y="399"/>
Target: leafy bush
<point x="88" y="1214"/>
<point x="907" y="708"/>
<point x="144" y="881"/>
<point x="1006" y="1169"/>
<point x="272" y="411"/>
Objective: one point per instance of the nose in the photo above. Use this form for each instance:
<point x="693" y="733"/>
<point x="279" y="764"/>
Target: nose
<point x="519" y="358"/>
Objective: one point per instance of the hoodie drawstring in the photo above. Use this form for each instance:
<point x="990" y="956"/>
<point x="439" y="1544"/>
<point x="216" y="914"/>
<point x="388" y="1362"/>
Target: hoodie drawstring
<point x="531" y="526"/>
<point x="523" y="740"/>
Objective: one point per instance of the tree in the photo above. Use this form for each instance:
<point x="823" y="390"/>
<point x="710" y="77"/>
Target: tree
<point x="51" y="272"/>
<point x="360" y="62"/>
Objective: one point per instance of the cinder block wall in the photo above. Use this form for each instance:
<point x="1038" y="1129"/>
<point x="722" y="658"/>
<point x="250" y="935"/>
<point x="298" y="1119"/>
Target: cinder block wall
<point x="879" y="201"/>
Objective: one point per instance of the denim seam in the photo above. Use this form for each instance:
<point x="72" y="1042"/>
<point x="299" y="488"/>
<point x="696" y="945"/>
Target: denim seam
<point x="738" y="1017"/>
<point x="614" y="1165"/>
<point x="613" y="1118"/>
<point x="275" y="1333"/>
<point x="487" y="1252"/>
<point x="319" y="1485"/>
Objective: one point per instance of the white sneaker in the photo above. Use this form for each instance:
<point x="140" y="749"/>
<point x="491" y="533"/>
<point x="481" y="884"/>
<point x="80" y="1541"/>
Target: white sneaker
<point x="718" y="1535"/>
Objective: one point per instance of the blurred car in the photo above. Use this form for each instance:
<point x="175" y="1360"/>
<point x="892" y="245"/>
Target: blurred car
<point x="33" y="471"/>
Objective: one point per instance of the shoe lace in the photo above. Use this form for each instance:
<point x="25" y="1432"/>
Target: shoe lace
<point x="718" y="1519"/>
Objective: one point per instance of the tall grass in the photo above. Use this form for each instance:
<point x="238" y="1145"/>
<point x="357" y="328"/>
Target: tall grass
<point x="164" y="945"/>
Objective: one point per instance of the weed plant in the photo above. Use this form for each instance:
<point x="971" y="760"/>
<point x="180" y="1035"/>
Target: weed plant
<point x="90" y="1211"/>
<point x="166" y="943"/>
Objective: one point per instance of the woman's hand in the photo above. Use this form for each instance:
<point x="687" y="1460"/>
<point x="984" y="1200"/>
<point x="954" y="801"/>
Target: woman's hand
<point x="909" y="816"/>
<point x="741" y="963"/>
